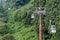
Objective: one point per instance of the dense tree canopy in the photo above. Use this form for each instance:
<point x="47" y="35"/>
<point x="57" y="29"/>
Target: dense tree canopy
<point x="16" y="22"/>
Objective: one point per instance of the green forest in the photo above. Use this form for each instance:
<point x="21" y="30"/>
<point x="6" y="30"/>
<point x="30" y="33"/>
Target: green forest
<point x="16" y="22"/>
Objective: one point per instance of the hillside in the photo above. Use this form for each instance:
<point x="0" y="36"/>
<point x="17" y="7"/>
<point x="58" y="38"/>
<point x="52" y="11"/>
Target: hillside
<point x="16" y="22"/>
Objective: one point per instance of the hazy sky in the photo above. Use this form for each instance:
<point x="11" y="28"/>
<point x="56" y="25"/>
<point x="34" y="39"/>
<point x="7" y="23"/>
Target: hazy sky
<point x="2" y="0"/>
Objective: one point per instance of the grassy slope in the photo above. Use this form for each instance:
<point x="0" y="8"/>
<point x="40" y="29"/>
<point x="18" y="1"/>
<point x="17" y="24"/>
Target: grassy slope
<point x="24" y="32"/>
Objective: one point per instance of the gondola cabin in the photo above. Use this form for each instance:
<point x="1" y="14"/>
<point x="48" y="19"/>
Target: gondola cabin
<point x="53" y="29"/>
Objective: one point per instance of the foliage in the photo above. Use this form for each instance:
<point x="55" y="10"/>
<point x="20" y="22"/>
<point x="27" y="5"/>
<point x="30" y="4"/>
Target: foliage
<point x="16" y="22"/>
<point x="7" y="37"/>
